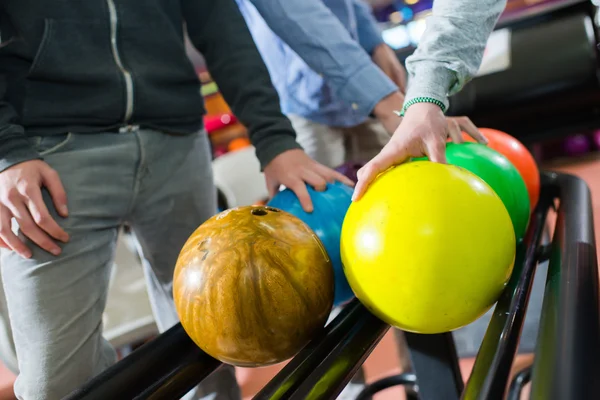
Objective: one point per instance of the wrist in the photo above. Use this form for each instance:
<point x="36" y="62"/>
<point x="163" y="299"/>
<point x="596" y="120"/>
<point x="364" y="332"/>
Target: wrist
<point x="419" y="100"/>
<point x="388" y="105"/>
<point x="378" y="49"/>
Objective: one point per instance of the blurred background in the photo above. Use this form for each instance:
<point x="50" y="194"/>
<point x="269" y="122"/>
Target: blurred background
<point x="539" y="81"/>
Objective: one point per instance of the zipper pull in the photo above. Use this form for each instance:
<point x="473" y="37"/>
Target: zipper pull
<point x="129" y="128"/>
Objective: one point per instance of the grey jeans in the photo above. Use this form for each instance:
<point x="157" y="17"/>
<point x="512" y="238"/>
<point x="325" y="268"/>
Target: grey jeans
<point x="162" y="186"/>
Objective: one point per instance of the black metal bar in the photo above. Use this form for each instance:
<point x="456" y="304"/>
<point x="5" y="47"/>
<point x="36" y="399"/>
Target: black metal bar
<point x="489" y="378"/>
<point x="518" y="383"/>
<point x="335" y="370"/>
<point x="305" y="362"/>
<point x="385" y="383"/>
<point x="544" y="252"/>
<point x="567" y="363"/>
<point x="167" y="368"/>
<point x="405" y="362"/>
<point x="435" y="363"/>
<point x="567" y="357"/>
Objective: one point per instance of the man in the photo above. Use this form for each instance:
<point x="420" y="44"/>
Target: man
<point x="101" y="124"/>
<point x="333" y="72"/>
<point x="449" y="54"/>
<point x="328" y="63"/>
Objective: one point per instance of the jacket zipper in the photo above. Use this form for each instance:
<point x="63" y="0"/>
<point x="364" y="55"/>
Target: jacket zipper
<point x="115" y="50"/>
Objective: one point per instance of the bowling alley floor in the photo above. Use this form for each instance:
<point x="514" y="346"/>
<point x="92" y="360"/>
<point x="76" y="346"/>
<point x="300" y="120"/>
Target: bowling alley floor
<point x="384" y="360"/>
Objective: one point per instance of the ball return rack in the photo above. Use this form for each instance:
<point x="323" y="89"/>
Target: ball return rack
<point x="567" y="354"/>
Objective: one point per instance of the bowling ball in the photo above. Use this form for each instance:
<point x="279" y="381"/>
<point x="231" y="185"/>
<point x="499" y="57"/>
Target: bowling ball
<point x="428" y="248"/>
<point x="326" y="220"/>
<point x="596" y="139"/>
<point x="350" y="169"/>
<point x="500" y="174"/>
<point x="577" y="145"/>
<point x="219" y="151"/>
<point x="238" y="144"/>
<point x="519" y="156"/>
<point x="252" y="286"/>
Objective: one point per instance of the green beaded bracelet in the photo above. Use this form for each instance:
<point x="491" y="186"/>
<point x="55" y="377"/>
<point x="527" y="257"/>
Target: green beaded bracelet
<point x="420" y="100"/>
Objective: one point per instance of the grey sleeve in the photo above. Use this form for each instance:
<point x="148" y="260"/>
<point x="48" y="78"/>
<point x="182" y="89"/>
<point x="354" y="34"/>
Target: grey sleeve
<point x="451" y="49"/>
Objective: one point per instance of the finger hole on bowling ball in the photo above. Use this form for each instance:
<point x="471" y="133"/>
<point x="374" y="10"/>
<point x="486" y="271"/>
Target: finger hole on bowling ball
<point x="259" y="212"/>
<point x="271" y="209"/>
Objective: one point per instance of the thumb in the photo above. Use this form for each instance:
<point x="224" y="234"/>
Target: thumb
<point x="51" y="181"/>
<point x="381" y="162"/>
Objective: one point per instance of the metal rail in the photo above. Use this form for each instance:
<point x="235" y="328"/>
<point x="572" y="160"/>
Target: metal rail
<point x="567" y="363"/>
<point x="169" y="366"/>
<point x="492" y="367"/>
<point x="567" y="360"/>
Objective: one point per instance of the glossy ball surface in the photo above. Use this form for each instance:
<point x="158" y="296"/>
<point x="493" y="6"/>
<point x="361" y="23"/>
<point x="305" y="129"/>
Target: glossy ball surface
<point x="253" y="285"/>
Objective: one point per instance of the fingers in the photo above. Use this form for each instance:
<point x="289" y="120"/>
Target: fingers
<point x="331" y="175"/>
<point x="454" y="131"/>
<point x="436" y="149"/>
<point x="390" y="155"/>
<point x="470" y="129"/>
<point x="299" y="188"/>
<point x="314" y="179"/>
<point x="344" y="179"/>
<point x="272" y="187"/>
<point x="295" y="169"/>
<point x="21" y="198"/>
<point x="51" y="180"/>
<point x="30" y="229"/>
<point x="41" y="216"/>
<point x="8" y="236"/>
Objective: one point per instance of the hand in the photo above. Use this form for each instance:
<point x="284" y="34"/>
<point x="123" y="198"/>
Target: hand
<point x="293" y="169"/>
<point x="386" y="59"/>
<point x="423" y="131"/>
<point x="21" y="198"/>
<point x="384" y="111"/>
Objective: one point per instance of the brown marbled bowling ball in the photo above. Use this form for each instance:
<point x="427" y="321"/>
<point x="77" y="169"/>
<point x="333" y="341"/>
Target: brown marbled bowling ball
<point x="253" y="285"/>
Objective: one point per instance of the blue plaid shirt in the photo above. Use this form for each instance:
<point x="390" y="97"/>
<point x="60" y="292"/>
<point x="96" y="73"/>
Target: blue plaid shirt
<point x="318" y="55"/>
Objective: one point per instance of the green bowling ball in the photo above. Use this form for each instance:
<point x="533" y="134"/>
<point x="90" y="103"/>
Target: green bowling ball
<point x="498" y="172"/>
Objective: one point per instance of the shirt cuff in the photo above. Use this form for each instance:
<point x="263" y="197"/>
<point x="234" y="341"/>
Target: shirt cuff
<point x="431" y="80"/>
<point x="15" y="150"/>
<point x="273" y="146"/>
<point x="368" y="85"/>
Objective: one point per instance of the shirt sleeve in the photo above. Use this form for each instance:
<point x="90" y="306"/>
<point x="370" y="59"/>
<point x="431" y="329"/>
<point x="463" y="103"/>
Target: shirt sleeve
<point x="451" y="49"/>
<point x="369" y="34"/>
<point x="311" y="30"/>
<point x="218" y="30"/>
<point x="14" y="146"/>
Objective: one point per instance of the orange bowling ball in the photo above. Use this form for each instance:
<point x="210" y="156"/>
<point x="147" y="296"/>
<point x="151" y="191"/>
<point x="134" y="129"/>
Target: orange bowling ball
<point x="518" y="155"/>
<point x="253" y="285"/>
<point x="239" y="144"/>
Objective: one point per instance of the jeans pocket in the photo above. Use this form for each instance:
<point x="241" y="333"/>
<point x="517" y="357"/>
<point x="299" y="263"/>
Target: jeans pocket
<point x="46" y="145"/>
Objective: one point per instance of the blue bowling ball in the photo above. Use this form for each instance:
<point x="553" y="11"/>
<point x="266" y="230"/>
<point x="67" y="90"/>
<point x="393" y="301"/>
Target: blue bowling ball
<point x="330" y="207"/>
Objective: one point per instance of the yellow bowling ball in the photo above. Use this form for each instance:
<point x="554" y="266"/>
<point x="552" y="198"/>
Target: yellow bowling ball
<point x="429" y="247"/>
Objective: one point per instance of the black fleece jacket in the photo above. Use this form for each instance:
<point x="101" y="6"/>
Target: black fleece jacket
<point x="100" y="65"/>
